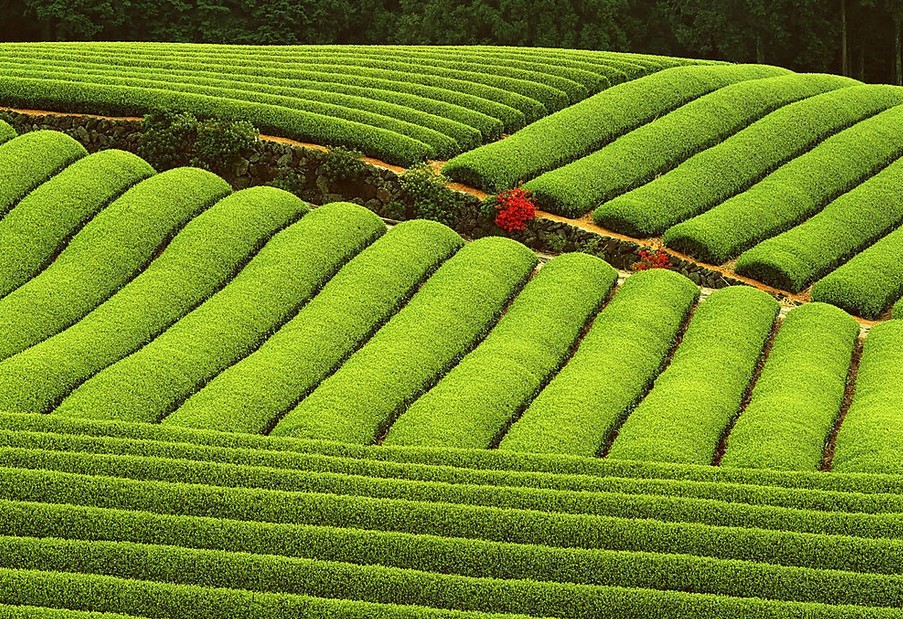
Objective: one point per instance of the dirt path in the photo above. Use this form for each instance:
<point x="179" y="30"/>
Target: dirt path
<point x="584" y="223"/>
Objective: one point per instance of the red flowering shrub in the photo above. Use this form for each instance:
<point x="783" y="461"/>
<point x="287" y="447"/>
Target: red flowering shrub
<point x="652" y="258"/>
<point x="514" y="209"/>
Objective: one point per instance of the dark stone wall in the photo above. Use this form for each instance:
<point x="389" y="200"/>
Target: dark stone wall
<point x="373" y="187"/>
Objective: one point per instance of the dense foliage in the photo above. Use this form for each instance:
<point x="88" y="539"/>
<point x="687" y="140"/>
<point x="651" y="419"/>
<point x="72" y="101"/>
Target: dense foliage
<point x="855" y="37"/>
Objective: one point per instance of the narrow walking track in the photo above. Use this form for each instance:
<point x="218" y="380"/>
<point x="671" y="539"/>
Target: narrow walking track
<point x="584" y="223"/>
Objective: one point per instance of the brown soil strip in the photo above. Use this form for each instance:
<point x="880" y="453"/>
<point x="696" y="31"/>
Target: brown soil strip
<point x="747" y="397"/>
<point x="831" y="442"/>
<point x="584" y="223"/>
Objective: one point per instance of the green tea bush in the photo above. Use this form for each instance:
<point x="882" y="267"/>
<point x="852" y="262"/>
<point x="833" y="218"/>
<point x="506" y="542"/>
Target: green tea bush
<point x="31" y="159"/>
<point x="870" y="436"/>
<point x="723" y="171"/>
<point x="447" y="317"/>
<point x="610" y="371"/>
<point x="41" y="224"/>
<point x="289" y="270"/>
<point x="202" y="258"/>
<point x="798" y="396"/>
<point x="474" y="402"/>
<point x="113" y="248"/>
<point x="695" y="399"/>
<point x="355" y="303"/>
<point x="6" y="132"/>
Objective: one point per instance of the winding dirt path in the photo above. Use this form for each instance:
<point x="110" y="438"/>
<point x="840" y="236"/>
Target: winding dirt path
<point x="584" y="223"/>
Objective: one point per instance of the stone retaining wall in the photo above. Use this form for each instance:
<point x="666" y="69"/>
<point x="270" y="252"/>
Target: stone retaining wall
<point x="300" y="170"/>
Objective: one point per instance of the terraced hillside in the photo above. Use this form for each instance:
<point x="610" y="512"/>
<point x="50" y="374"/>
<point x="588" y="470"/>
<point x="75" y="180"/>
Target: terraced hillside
<point x="729" y="162"/>
<point x="402" y="104"/>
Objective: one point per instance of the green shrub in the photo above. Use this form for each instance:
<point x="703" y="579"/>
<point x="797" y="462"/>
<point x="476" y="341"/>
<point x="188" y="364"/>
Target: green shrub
<point x="652" y="149"/>
<point x="447" y="317"/>
<point x="6" y="132"/>
<point x="870" y="436"/>
<point x="798" y="396"/>
<point x="898" y="309"/>
<point x="475" y="401"/>
<point x="721" y="172"/>
<point x="289" y="270"/>
<point x="610" y="371"/>
<point x="342" y="164"/>
<point x="695" y="399"/>
<point x="31" y="159"/>
<point x="167" y="138"/>
<point x="200" y="259"/>
<point x="41" y="224"/>
<point x="589" y="125"/>
<point x="111" y="250"/>
<point x="428" y="193"/>
<point x="361" y="297"/>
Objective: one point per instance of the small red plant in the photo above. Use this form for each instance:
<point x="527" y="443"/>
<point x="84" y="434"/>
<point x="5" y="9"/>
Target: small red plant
<point x="515" y="209"/>
<point x="652" y="258"/>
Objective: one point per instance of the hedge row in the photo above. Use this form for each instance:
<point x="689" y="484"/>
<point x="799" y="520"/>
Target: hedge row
<point x="336" y="580"/>
<point x="441" y="323"/>
<point x="306" y="126"/>
<point x="639" y="156"/>
<point x="363" y="295"/>
<point x="470" y="559"/>
<point x="589" y="125"/>
<point x="267" y="487"/>
<point x="549" y="91"/>
<point x="42" y="612"/>
<point x="285" y="471"/>
<point x="473" y="404"/>
<point x="610" y="371"/>
<point x="30" y="160"/>
<point x="535" y="469"/>
<point x="870" y="437"/>
<point x="444" y="136"/>
<point x="721" y="172"/>
<point x="695" y="399"/>
<point x="6" y="132"/>
<point x="794" y="192"/>
<point x="849" y="224"/>
<point x="105" y="255"/>
<point x="40" y="225"/>
<point x="292" y="267"/>
<point x="813" y="547"/>
<point x="799" y="394"/>
<point x="200" y="260"/>
<point x="869" y="283"/>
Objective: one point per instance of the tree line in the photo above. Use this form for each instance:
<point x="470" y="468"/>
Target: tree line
<point x="860" y="38"/>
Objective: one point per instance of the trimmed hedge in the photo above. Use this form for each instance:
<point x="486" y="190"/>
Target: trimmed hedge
<point x="282" y="470"/>
<point x="721" y="172"/>
<point x="870" y="282"/>
<point x="853" y="542"/>
<point x="275" y="284"/>
<point x="637" y="157"/>
<point x="474" y="402"/>
<point x="201" y="259"/>
<point x="306" y="126"/>
<point x="39" y="227"/>
<point x="794" y="192"/>
<point x="112" y="249"/>
<point x="267" y="487"/>
<point x="448" y="316"/>
<point x="845" y="227"/>
<point x="41" y="612"/>
<point x="30" y="160"/>
<point x="589" y="125"/>
<point x="695" y="399"/>
<point x="6" y="132"/>
<point x="371" y="583"/>
<point x="611" y="370"/>
<point x="871" y="436"/>
<point x="799" y="394"/>
<point x="540" y="469"/>
<point x="363" y="295"/>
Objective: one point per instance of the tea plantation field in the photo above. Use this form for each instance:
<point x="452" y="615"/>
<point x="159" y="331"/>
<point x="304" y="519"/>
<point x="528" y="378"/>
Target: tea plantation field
<point x="220" y="403"/>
